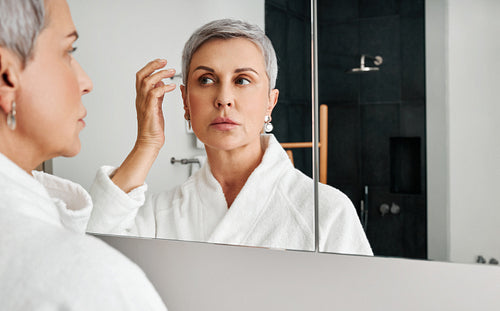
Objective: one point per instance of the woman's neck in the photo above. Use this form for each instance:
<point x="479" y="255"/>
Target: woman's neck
<point x="20" y="152"/>
<point x="231" y="168"/>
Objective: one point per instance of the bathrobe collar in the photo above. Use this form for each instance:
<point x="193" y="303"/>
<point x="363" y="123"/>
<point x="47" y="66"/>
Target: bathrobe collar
<point x="48" y="198"/>
<point x="238" y="221"/>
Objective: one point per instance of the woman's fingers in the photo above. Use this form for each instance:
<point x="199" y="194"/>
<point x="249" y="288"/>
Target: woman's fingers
<point x="146" y="78"/>
<point x="148" y="70"/>
<point x="156" y="94"/>
<point x="150" y="115"/>
<point x="160" y="90"/>
<point x="150" y="93"/>
<point x="157" y="76"/>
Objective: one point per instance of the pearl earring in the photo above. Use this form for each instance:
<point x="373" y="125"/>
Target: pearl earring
<point x="11" y="117"/>
<point x="268" y="126"/>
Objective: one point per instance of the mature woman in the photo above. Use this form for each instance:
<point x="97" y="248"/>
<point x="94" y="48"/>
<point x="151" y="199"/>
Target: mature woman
<point x="248" y="192"/>
<point x="46" y="260"/>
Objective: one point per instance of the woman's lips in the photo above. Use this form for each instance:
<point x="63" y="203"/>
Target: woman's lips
<point x="223" y="124"/>
<point x="83" y="117"/>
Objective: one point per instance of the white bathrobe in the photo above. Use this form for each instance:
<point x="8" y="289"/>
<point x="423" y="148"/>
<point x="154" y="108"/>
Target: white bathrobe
<point x="274" y="209"/>
<point x="46" y="260"/>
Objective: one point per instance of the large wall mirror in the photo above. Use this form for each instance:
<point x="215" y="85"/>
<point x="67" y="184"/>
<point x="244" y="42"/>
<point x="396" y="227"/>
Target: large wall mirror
<point x="411" y="113"/>
<point x="116" y="40"/>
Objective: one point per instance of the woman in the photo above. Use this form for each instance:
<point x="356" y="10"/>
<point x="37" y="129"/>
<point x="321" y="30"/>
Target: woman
<point x="248" y="192"/>
<point x="46" y="260"/>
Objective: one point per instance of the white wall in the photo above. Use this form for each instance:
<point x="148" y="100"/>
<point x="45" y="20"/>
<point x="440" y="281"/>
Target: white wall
<point x="463" y="110"/>
<point x="438" y="236"/>
<point x="198" y="276"/>
<point x="474" y="115"/>
<point x="117" y="38"/>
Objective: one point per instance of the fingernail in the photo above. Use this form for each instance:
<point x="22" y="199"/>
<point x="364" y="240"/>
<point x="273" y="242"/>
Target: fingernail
<point x="161" y="60"/>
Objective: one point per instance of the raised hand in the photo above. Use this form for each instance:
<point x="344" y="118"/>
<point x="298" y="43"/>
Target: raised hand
<point x="150" y="92"/>
<point x="151" y="125"/>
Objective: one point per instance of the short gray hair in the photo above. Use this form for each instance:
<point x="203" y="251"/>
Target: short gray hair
<point x="228" y="29"/>
<point x="21" y="21"/>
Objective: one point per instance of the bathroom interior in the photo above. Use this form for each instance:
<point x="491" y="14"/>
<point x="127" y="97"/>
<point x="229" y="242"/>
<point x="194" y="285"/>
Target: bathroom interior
<point x="410" y="140"/>
<point x="376" y="118"/>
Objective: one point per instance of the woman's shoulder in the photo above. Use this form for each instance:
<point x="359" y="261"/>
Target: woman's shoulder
<point x="36" y="238"/>
<point x="330" y="195"/>
<point x="91" y="255"/>
<point x="334" y="205"/>
<point x="79" y="265"/>
<point x="296" y="183"/>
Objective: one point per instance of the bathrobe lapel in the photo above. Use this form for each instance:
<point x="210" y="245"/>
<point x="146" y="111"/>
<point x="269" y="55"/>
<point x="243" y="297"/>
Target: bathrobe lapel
<point x="46" y="197"/>
<point x="20" y="192"/>
<point x="238" y="222"/>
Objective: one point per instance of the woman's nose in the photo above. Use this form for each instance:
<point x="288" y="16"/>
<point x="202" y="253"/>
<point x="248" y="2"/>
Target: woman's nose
<point x="222" y="104"/>
<point x="224" y="98"/>
<point x="84" y="80"/>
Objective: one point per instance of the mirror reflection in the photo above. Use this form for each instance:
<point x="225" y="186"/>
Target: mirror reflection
<point x="401" y="137"/>
<point x="239" y="185"/>
<point x="377" y="117"/>
<point x="398" y="98"/>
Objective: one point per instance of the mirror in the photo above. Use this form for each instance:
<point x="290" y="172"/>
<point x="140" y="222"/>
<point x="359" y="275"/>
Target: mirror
<point x="413" y="123"/>
<point x="429" y="106"/>
<point x="116" y="40"/>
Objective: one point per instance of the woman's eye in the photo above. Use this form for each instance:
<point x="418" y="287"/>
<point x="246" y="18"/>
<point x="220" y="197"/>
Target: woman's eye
<point x="71" y="50"/>
<point x="242" y="81"/>
<point x="206" y="80"/>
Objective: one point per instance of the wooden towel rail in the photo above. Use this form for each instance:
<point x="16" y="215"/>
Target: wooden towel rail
<point x="322" y="144"/>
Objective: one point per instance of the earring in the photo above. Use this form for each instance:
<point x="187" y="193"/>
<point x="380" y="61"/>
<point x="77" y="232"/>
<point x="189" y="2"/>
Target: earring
<point x="188" y="120"/>
<point x="11" y="117"/>
<point x="268" y="126"/>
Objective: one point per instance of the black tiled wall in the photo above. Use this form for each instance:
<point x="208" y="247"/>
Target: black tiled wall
<point x="365" y="110"/>
<point x="288" y="27"/>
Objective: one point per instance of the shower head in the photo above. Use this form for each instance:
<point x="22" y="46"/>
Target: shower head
<point x="377" y="60"/>
<point x="362" y="69"/>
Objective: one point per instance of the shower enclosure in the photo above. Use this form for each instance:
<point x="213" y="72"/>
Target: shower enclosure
<point x="376" y="105"/>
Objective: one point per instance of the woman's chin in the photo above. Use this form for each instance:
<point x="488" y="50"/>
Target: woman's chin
<point x="226" y="144"/>
<point x="73" y="150"/>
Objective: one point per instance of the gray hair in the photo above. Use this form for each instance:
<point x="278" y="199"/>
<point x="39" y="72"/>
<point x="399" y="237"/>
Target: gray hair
<point x="228" y="29"/>
<point x="21" y="21"/>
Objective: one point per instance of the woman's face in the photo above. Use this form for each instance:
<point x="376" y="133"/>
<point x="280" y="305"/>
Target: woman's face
<point x="227" y="94"/>
<point x="49" y="108"/>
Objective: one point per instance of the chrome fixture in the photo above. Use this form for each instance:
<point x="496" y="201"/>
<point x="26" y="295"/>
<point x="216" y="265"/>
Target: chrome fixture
<point x="178" y="75"/>
<point x="377" y="61"/>
<point x="183" y="161"/>
<point x="393" y="209"/>
<point x="363" y="212"/>
<point x="482" y="260"/>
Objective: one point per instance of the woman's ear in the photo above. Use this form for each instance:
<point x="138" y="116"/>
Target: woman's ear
<point x="10" y="68"/>
<point x="187" y="115"/>
<point x="273" y="100"/>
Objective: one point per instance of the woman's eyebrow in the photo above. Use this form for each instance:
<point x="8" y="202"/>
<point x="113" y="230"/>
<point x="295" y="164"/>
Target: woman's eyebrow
<point x="73" y="34"/>
<point x="235" y="71"/>
<point x="204" y="68"/>
<point x="245" y="69"/>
